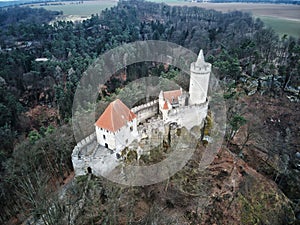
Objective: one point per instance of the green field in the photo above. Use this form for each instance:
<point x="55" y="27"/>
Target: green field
<point x="86" y="9"/>
<point x="283" y="18"/>
<point x="282" y="26"/>
<point x="80" y="10"/>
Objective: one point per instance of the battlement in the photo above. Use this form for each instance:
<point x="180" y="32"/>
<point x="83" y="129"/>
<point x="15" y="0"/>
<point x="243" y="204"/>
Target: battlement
<point x="200" y="69"/>
<point x="182" y="110"/>
<point x="144" y="106"/>
<point x="82" y="146"/>
<point x="188" y="116"/>
<point x="200" y="66"/>
<point x="145" y="111"/>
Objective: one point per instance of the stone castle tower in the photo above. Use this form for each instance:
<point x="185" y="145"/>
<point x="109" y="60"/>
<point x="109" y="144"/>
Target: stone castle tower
<point x="199" y="80"/>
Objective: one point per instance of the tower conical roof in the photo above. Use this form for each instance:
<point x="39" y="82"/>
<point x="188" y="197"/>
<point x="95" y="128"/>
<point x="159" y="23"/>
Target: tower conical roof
<point x="200" y="59"/>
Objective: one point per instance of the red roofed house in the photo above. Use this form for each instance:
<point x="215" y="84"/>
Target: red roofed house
<point x="116" y="128"/>
<point x="171" y="99"/>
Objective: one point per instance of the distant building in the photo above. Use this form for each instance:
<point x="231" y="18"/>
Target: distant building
<point x="116" y="128"/>
<point x="41" y="59"/>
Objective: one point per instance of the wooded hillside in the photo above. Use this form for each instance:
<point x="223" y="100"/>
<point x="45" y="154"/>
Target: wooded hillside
<point x="36" y="96"/>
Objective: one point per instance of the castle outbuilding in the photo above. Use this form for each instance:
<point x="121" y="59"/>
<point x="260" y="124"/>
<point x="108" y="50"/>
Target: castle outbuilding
<point x="116" y="128"/>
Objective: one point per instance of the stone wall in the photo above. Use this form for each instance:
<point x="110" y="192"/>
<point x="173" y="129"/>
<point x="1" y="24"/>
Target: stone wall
<point x="80" y="155"/>
<point x="188" y="116"/>
<point x="84" y="142"/>
<point x="146" y="111"/>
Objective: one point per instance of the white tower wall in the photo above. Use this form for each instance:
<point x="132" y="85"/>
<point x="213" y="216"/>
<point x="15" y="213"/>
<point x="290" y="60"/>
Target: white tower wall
<point x="199" y="80"/>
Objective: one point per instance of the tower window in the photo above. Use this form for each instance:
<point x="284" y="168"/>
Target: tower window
<point x="131" y="128"/>
<point x="104" y="137"/>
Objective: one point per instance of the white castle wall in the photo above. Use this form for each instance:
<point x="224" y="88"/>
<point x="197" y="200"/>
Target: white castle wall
<point x="126" y="135"/>
<point x="189" y="116"/>
<point x="121" y="138"/>
<point x="105" y="137"/>
<point x="145" y="111"/>
<point x="80" y="160"/>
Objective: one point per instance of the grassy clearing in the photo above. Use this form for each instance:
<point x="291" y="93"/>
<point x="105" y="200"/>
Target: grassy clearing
<point x="282" y="26"/>
<point x="79" y="10"/>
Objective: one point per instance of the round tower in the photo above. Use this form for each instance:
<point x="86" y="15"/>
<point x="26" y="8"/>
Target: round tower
<point x="199" y="80"/>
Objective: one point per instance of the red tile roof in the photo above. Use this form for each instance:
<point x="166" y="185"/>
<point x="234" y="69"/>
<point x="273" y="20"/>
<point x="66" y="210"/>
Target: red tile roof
<point x="172" y="96"/>
<point x="115" y="116"/>
<point x="165" y="105"/>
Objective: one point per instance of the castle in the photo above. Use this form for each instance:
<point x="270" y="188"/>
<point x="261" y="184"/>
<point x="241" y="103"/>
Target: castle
<point x="116" y="128"/>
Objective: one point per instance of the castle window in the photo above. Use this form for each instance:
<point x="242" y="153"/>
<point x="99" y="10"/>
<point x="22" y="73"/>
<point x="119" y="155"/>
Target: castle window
<point x="89" y="170"/>
<point x="131" y="128"/>
<point x="104" y="137"/>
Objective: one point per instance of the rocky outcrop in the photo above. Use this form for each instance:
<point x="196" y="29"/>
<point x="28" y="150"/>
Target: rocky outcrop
<point x="227" y="192"/>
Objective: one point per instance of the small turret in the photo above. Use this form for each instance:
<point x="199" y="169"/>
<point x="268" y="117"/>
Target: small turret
<point x="183" y="98"/>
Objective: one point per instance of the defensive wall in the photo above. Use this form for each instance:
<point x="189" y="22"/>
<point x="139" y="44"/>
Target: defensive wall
<point x="145" y="111"/>
<point x="81" y="155"/>
<point x="188" y="116"/>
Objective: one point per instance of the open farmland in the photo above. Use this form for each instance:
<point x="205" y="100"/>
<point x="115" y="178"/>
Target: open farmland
<point x="275" y="10"/>
<point x="282" y="26"/>
<point x="77" y="10"/>
<point x="283" y="18"/>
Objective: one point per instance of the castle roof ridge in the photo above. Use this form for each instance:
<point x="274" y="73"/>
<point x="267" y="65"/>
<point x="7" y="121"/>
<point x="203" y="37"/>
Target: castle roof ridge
<point x="115" y="116"/>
